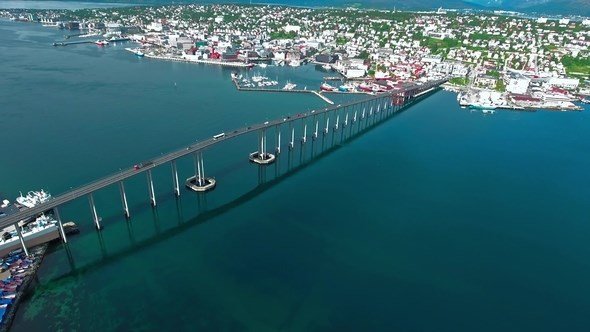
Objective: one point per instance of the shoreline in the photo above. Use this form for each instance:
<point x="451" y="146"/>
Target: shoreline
<point x="39" y="254"/>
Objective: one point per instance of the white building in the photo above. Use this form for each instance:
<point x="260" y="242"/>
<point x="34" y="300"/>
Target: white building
<point x="518" y="85"/>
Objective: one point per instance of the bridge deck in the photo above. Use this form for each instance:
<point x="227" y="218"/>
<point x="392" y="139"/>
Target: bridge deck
<point x="197" y="147"/>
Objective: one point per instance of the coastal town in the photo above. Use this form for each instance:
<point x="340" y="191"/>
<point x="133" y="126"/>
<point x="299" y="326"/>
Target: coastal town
<point x="494" y="60"/>
<point x="491" y="60"/>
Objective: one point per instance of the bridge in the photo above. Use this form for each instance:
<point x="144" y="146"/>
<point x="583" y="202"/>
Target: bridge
<point x="375" y="108"/>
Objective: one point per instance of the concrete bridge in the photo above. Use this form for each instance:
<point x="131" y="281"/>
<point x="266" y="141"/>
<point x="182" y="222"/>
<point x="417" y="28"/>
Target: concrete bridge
<point x="361" y="113"/>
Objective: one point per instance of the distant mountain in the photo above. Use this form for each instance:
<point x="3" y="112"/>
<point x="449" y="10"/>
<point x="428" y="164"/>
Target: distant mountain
<point x="561" y="7"/>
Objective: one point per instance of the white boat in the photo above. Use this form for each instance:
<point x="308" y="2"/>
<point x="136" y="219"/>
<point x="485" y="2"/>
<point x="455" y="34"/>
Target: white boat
<point x="102" y="42"/>
<point x="585" y="101"/>
<point x="289" y="86"/>
<point x="327" y="67"/>
<point x="262" y="65"/>
<point x="33" y="198"/>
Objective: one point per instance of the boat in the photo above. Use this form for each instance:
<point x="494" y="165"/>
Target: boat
<point x="33" y="198"/>
<point x="585" y="100"/>
<point x="43" y="229"/>
<point x="289" y="86"/>
<point x="101" y="42"/>
<point x="327" y="67"/>
<point x="327" y="87"/>
<point x="262" y="65"/>
<point x="487" y="111"/>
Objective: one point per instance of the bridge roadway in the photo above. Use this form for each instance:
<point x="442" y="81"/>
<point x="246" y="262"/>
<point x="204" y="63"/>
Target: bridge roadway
<point x="197" y="147"/>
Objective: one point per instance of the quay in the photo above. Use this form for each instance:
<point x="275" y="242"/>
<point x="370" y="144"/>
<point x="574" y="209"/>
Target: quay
<point x="209" y="62"/>
<point x="73" y="43"/>
<point x="360" y="114"/>
<point x="37" y="255"/>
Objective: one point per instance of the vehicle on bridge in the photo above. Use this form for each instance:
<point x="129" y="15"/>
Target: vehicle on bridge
<point x="142" y="165"/>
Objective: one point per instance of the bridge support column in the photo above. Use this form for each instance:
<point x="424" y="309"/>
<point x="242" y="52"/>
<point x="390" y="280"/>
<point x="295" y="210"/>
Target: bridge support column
<point x="304" y="138"/>
<point x="95" y="217"/>
<point x="60" y="224"/>
<point x="327" y="124"/>
<point x="151" y="187"/>
<point x="175" y="179"/>
<point x="124" y="199"/>
<point x="22" y="240"/>
<point x="337" y="122"/>
<point x="262" y="157"/>
<point x="315" y="133"/>
<point x="278" y="149"/>
<point x="200" y="182"/>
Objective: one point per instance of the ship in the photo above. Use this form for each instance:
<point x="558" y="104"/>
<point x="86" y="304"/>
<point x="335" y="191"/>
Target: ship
<point x="101" y="42"/>
<point x="33" y="198"/>
<point x="42" y="230"/>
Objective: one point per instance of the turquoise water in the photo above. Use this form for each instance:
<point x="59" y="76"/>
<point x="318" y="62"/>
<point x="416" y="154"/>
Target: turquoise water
<point x="440" y="219"/>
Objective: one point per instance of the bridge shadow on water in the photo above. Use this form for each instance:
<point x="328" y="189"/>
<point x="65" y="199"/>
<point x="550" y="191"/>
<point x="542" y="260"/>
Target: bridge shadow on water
<point x="206" y="215"/>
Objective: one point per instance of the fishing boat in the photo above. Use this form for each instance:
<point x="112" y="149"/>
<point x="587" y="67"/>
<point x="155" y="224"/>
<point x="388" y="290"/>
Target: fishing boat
<point x="33" y="198"/>
<point x="327" y="87"/>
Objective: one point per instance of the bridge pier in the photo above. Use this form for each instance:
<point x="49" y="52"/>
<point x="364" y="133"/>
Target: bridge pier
<point x="327" y="124"/>
<point x="175" y="179"/>
<point x="22" y="240"/>
<point x="304" y="138"/>
<point x="337" y="122"/>
<point x="60" y="224"/>
<point x="315" y="133"/>
<point x="278" y="129"/>
<point x="151" y="187"/>
<point x="95" y="217"/>
<point x="124" y="199"/>
<point x="262" y="157"/>
<point x="199" y="182"/>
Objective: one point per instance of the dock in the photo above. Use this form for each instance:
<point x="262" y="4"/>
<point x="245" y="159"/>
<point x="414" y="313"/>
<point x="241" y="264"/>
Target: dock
<point x="209" y="62"/>
<point x="73" y="43"/>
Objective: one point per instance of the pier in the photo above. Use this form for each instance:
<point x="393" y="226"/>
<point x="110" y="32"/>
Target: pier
<point x="73" y="43"/>
<point x="359" y="114"/>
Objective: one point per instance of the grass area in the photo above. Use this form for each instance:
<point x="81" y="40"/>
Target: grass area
<point x="438" y="44"/>
<point x="576" y="65"/>
<point x="283" y="35"/>
<point x="500" y="86"/>
<point x="494" y="73"/>
<point x="459" y="81"/>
